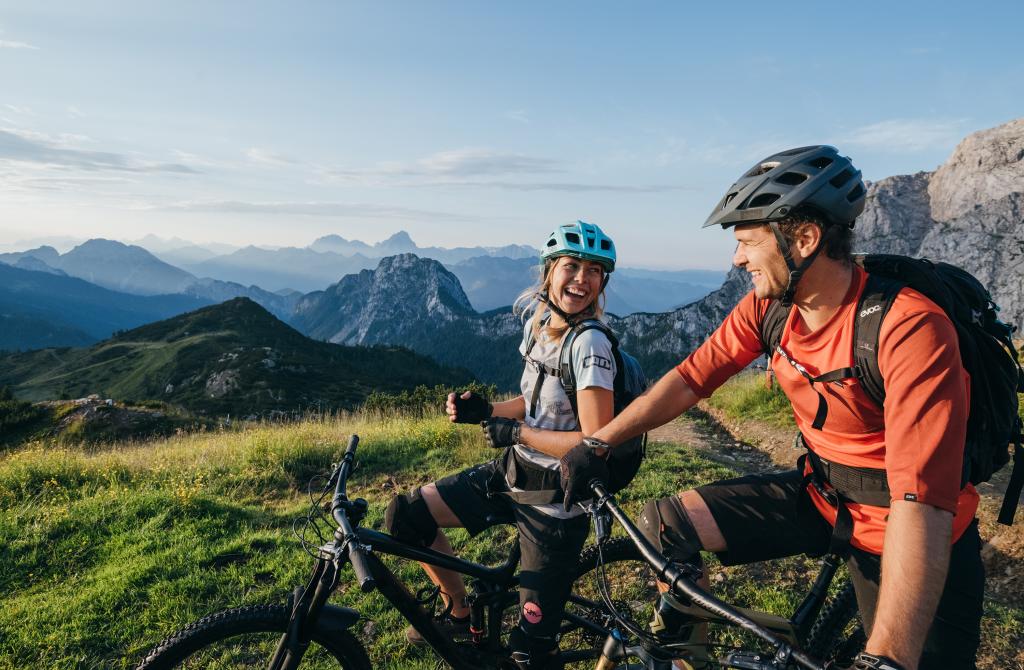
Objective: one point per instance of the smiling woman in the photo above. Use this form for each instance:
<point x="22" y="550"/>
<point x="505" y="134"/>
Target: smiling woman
<point x="521" y="486"/>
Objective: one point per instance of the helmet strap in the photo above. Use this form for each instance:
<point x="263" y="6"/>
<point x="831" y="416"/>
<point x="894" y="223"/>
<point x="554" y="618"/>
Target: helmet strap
<point x="795" y="272"/>
<point x="571" y="319"/>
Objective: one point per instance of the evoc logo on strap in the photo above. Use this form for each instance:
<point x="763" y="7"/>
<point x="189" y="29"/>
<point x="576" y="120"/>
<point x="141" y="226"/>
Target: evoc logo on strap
<point x="870" y="310"/>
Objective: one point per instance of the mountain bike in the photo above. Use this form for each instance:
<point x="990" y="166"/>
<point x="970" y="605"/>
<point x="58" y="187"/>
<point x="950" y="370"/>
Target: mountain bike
<point x="597" y="627"/>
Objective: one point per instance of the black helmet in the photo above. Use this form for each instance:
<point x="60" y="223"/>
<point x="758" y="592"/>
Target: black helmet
<point x="815" y="178"/>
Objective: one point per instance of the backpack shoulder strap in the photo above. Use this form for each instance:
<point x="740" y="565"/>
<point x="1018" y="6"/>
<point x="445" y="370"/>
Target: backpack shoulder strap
<point x="875" y="302"/>
<point x="771" y="327"/>
<point x="568" y="372"/>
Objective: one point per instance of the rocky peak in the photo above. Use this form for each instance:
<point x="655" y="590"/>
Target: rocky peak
<point x="985" y="166"/>
<point x="896" y="217"/>
<point x="400" y="242"/>
<point x="121" y="267"/>
<point x="377" y="306"/>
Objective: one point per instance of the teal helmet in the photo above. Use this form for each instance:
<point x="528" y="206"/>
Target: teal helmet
<point x="581" y="240"/>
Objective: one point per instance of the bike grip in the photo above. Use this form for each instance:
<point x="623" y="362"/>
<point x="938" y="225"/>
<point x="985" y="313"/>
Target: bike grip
<point x="353" y="442"/>
<point x="359" y="566"/>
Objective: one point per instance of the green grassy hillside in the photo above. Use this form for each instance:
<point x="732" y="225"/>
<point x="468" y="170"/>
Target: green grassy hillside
<point x="103" y="551"/>
<point x="230" y="358"/>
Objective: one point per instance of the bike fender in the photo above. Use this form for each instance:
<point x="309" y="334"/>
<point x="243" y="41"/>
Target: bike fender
<point x="337" y="619"/>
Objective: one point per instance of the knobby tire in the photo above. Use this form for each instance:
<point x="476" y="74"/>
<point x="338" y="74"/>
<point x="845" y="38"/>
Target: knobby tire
<point x="222" y="632"/>
<point x="831" y="638"/>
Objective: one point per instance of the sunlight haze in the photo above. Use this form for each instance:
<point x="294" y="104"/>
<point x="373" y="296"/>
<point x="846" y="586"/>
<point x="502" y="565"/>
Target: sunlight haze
<point x="467" y="123"/>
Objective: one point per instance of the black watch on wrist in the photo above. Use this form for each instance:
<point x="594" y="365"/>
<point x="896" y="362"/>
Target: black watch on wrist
<point x="866" y="661"/>
<point x="595" y="443"/>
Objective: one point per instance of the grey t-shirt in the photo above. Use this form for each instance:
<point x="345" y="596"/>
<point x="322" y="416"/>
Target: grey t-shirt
<point x="594" y="364"/>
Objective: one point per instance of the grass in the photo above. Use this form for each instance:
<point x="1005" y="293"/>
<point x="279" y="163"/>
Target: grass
<point x="749" y="396"/>
<point x="103" y="551"/>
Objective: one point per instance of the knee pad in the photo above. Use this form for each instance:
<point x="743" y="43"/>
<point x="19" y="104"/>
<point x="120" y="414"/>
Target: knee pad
<point x="667" y="526"/>
<point x="534" y="653"/>
<point x="409" y="520"/>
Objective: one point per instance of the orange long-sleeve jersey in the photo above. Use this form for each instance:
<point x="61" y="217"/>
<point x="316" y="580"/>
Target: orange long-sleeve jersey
<point x="919" y="435"/>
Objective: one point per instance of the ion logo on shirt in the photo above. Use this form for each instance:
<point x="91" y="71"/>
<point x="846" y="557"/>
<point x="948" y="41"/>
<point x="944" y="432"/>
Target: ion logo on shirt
<point x="597" y="362"/>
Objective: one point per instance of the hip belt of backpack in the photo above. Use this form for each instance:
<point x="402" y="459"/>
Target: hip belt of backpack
<point x="840" y="484"/>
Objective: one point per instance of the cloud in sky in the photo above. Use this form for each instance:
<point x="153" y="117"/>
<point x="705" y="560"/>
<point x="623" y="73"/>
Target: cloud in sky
<point x="267" y="157"/>
<point x="465" y="163"/>
<point x="567" y="187"/>
<point x="8" y="44"/>
<point x="20" y="109"/>
<point x="334" y="209"/>
<point x="518" y="115"/>
<point x="906" y="134"/>
<point x="25" y="147"/>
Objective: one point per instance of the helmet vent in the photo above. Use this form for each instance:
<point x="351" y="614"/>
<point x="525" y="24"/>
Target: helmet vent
<point x="821" y="162"/>
<point x="762" y="168"/>
<point x="572" y="237"/>
<point x="729" y="198"/>
<point x="764" y="200"/>
<point x="841" y="178"/>
<point x="552" y="242"/>
<point x="605" y="245"/>
<point x="856" y="193"/>
<point x="792" y="178"/>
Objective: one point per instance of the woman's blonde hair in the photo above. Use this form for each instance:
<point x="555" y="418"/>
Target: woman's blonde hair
<point x="529" y="304"/>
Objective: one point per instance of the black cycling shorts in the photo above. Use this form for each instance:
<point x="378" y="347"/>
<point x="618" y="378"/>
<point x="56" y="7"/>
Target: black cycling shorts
<point x="550" y="545"/>
<point x="767" y="516"/>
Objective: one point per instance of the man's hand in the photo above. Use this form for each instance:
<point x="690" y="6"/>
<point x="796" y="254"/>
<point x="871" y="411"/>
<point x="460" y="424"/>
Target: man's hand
<point x="468" y="407"/>
<point x="500" y="432"/>
<point x="580" y="465"/>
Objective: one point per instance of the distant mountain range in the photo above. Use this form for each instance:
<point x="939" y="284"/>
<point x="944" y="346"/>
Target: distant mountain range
<point x="969" y="212"/>
<point x="276" y="278"/>
<point x="133" y="270"/>
<point x="234" y="357"/>
<point x="46" y="309"/>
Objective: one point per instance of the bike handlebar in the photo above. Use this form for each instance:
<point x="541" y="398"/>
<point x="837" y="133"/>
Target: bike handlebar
<point x="683" y="584"/>
<point x="339" y="507"/>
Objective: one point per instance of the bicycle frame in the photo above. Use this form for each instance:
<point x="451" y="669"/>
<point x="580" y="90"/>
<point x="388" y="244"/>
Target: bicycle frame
<point x="682" y="584"/>
<point x="493" y="590"/>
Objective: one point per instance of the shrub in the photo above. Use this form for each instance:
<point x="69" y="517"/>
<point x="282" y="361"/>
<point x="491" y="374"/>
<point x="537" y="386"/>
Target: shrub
<point x="421" y="401"/>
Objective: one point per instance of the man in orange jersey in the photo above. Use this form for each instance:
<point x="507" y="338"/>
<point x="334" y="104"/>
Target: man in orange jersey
<point x="880" y="485"/>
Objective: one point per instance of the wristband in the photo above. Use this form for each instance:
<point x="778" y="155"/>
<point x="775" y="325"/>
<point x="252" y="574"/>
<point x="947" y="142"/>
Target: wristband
<point x="866" y="661"/>
<point x="595" y="443"/>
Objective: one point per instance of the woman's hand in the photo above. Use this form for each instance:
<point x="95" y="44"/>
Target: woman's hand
<point x="500" y="432"/>
<point x="467" y="408"/>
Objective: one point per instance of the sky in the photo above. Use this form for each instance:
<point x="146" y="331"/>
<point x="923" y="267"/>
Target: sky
<point x="469" y="123"/>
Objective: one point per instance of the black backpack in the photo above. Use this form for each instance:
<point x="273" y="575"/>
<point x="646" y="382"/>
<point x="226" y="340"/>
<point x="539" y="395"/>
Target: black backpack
<point x="630" y="381"/>
<point x="986" y="349"/>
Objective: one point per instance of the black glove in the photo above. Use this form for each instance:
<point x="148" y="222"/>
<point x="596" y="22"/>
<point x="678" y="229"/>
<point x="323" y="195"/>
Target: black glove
<point x="580" y="465"/>
<point x="866" y="661"/>
<point x="473" y="409"/>
<point x="500" y="432"/>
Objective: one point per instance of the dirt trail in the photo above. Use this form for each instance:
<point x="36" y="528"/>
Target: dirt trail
<point x="753" y="446"/>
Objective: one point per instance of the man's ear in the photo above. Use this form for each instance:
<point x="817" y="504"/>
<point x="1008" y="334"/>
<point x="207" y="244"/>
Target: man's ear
<point x="808" y="237"/>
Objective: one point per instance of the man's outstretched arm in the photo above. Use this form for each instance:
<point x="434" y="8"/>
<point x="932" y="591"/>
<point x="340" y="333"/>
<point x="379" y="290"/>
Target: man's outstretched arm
<point x="668" y="398"/>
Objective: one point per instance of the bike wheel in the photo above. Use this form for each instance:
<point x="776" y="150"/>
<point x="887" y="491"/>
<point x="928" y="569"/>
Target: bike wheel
<point x="837" y="635"/>
<point x="246" y="637"/>
<point x="634" y="592"/>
